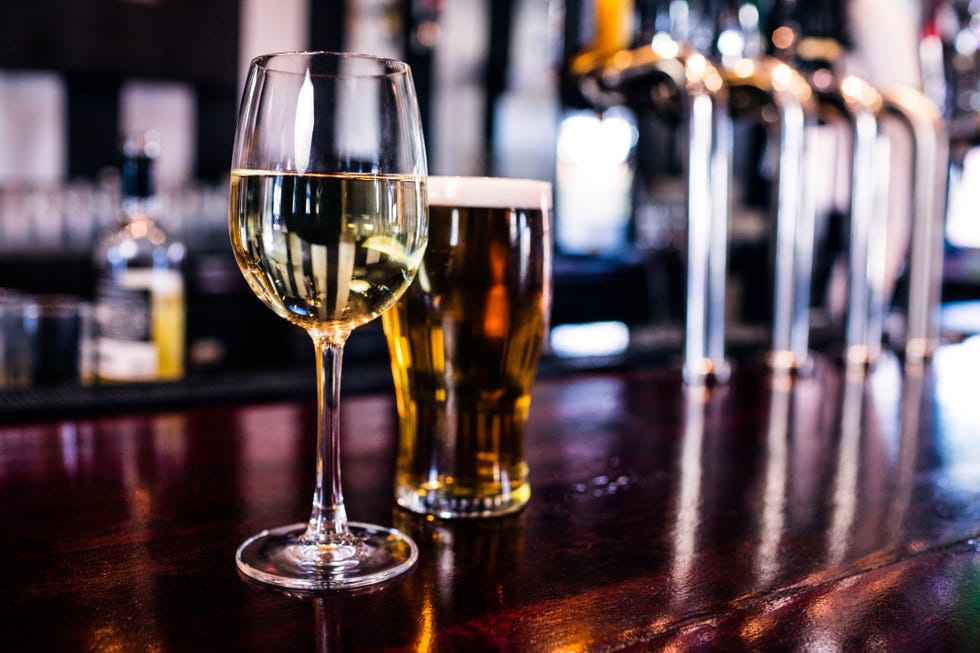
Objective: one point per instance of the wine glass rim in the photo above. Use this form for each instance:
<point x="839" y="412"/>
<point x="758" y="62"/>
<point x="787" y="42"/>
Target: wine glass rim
<point x="392" y="67"/>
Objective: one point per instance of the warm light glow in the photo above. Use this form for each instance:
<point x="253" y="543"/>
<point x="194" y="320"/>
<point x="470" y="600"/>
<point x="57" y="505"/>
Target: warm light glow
<point x="744" y="68"/>
<point x="665" y="46"/>
<point x="428" y="33"/>
<point x="782" y="76"/>
<point x="757" y="627"/>
<point x="496" y="315"/>
<point x="783" y="37"/>
<point x="426" y="639"/>
<point x="713" y="81"/>
<point x="438" y="352"/>
<point x="621" y="59"/>
<point x="696" y="65"/>
<point x="852" y="86"/>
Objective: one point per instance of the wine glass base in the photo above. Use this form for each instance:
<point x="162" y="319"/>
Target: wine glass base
<point x="282" y="557"/>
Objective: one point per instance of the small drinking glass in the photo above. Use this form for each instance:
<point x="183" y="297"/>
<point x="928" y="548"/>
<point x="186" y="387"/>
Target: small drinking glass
<point x="465" y="342"/>
<point x="328" y="225"/>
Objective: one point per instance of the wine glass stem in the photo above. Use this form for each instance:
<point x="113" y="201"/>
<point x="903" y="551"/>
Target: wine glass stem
<point x="328" y="521"/>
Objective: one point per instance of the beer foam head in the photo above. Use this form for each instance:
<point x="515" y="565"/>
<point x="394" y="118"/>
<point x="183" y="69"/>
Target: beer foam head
<point x="489" y="192"/>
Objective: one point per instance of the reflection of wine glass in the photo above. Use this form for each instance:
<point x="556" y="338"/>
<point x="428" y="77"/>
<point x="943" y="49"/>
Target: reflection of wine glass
<point x="328" y="225"/>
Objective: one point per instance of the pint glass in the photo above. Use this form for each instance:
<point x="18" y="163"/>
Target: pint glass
<point x="465" y="340"/>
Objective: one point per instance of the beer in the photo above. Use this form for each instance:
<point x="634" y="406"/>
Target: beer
<point x="465" y="340"/>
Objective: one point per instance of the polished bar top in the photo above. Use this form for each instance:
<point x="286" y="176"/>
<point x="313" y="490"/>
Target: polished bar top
<point x="823" y="514"/>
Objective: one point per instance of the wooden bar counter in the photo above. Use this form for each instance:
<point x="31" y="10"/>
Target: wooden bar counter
<point x="826" y="514"/>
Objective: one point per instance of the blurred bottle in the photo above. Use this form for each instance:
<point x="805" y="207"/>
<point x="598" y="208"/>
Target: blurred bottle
<point x="140" y="309"/>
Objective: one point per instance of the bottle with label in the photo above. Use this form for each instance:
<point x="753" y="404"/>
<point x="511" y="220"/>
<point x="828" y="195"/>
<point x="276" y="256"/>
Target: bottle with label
<point x="140" y="312"/>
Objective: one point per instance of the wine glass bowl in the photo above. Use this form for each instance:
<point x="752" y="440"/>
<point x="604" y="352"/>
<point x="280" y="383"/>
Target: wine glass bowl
<point x="320" y="266"/>
<point x="328" y="224"/>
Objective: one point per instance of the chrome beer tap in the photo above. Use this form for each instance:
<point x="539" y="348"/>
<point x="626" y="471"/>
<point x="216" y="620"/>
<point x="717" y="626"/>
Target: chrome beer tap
<point x="814" y="34"/>
<point x="929" y="176"/>
<point x="775" y="95"/>
<point x="892" y="53"/>
<point x="681" y="86"/>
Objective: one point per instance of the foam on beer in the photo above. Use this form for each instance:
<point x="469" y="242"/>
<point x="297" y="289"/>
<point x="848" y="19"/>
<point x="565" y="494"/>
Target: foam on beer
<point x="489" y="192"/>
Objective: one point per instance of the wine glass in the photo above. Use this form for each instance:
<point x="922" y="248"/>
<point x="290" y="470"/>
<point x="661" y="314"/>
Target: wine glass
<point x="328" y="225"/>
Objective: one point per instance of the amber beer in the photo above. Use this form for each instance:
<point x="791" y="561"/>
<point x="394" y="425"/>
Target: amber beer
<point x="465" y="340"/>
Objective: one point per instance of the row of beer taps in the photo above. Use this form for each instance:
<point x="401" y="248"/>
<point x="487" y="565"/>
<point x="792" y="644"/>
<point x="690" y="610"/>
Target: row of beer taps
<point x="787" y="78"/>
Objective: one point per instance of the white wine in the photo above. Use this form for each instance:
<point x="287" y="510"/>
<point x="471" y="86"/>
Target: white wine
<point x="328" y="252"/>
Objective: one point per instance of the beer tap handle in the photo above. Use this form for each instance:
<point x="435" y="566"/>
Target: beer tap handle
<point x="820" y="36"/>
<point x="929" y="178"/>
<point x="680" y="84"/>
<point x="796" y="109"/>
<point x="867" y="238"/>
<point x="709" y="179"/>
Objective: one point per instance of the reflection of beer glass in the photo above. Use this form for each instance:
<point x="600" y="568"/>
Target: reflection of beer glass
<point x="464" y="343"/>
